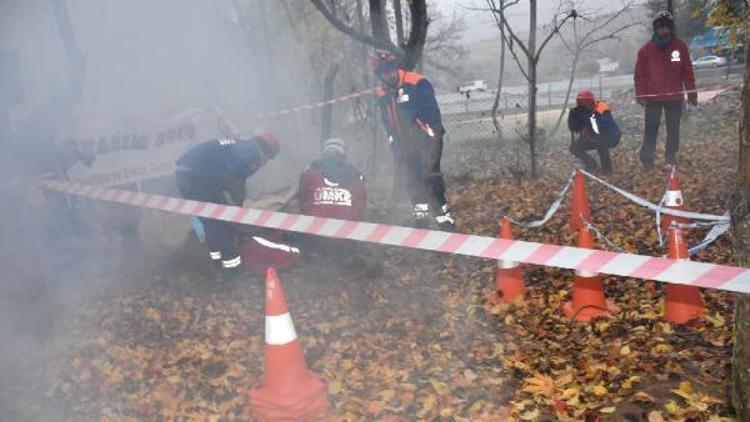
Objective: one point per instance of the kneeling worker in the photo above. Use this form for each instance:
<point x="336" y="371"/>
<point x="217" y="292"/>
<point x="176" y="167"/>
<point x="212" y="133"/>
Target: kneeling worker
<point x="331" y="187"/>
<point x="216" y="171"/>
<point x="593" y="128"/>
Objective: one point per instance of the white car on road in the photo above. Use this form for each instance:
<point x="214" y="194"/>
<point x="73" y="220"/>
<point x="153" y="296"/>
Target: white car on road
<point x="479" y="85"/>
<point x="709" y="62"/>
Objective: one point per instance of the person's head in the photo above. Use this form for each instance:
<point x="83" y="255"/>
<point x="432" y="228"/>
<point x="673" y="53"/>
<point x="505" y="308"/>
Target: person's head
<point x="663" y="25"/>
<point x="585" y="98"/>
<point x="269" y="146"/>
<point x="385" y="66"/>
<point x="334" y="149"/>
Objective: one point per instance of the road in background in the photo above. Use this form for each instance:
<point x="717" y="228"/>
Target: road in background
<point x="552" y="94"/>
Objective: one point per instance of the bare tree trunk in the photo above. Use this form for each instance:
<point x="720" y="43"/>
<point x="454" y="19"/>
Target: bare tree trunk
<point x="496" y="103"/>
<point x="573" y="68"/>
<point x="532" y="86"/>
<point x="74" y="90"/>
<point x="378" y="21"/>
<point x="399" y="16"/>
<point x="741" y="227"/>
<point x="572" y="79"/>
<point x="327" y="115"/>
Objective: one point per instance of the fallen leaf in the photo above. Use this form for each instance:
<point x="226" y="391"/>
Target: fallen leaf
<point x="540" y="384"/>
<point x="655" y="416"/>
<point x="599" y="390"/>
<point x="673" y="408"/>
<point x="531" y="415"/>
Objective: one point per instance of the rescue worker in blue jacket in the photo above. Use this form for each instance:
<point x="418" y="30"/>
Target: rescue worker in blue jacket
<point x="593" y="128"/>
<point x="216" y="171"/>
<point x="412" y="118"/>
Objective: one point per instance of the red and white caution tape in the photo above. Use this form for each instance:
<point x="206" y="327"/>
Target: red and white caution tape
<point x="551" y="210"/>
<point x="620" y="264"/>
<point x="657" y="208"/>
<point x="313" y="105"/>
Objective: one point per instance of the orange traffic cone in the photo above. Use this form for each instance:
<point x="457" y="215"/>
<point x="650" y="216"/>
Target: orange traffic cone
<point x="682" y="302"/>
<point x="673" y="200"/>
<point x="579" y="207"/>
<point x="289" y="391"/>
<point x="509" y="276"/>
<point x="588" y="290"/>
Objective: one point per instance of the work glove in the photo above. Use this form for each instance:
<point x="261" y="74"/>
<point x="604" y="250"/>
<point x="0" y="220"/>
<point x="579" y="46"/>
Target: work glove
<point x="581" y="115"/>
<point x="693" y="99"/>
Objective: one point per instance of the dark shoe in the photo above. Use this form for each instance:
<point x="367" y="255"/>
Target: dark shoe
<point x="648" y="165"/>
<point x="445" y="220"/>
<point x="606" y="171"/>
<point x="231" y="274"/>
<point x="420" y="215"/>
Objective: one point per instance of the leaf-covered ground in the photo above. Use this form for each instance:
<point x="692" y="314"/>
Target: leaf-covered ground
<point x="410" y="335"/>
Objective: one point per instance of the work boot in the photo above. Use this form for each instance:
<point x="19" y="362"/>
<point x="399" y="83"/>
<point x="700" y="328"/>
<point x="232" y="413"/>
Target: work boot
<point x="589" y="164"/>
<point x="231" y="268"/>
<point x="420" y="215"/>
<point x="445" y="219"/>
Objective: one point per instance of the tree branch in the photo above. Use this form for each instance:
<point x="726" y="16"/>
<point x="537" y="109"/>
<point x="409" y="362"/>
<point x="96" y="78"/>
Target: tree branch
<point x="357" y="35"/>
<point x="552" y="33"/>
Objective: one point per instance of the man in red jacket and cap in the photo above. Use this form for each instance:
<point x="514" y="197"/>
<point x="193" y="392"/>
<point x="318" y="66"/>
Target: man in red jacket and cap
<point x="663" y="74"/>
<point x="331" y="187"/>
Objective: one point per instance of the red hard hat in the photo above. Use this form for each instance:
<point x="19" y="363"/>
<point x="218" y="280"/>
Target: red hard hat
<point x="585" y="96"/>
<point x="270" y="141"/>
<point x="383" y="60"/>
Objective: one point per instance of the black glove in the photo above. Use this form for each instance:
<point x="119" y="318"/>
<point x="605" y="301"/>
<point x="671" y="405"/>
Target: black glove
<point x="693" y="99"/>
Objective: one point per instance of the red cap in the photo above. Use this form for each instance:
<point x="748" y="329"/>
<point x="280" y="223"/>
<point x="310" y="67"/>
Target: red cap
<point x="270" y="141"/>
<point x="585" y="97"/>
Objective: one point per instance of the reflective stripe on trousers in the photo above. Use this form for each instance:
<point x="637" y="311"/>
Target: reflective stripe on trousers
<point x="231" y="263"/>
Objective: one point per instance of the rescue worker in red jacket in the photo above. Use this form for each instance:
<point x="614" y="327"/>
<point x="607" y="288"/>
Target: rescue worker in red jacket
<point x="412" y="118"/>
<point x="216" y="171"/>
<point x="331" y="187"/>
<point x="593" y="128"/>
<point x="663" y="74"/>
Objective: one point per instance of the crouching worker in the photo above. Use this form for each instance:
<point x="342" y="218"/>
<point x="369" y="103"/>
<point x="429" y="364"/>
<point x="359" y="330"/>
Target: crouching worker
<point x="216" y="171"/>
<point x="593" y="128"/>
<point x="330" y="187"/>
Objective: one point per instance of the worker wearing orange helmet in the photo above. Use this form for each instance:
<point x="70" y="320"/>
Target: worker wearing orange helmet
<point x="415" y="133"/>
<point x="216" y="171"/>
<point x="593" y="128"/>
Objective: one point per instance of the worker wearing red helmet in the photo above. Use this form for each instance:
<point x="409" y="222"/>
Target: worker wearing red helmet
<point x="216" y="171"/>
<point x="593" y="128"/>
<point x="412" y="118"/>
<point x="663" y="75"/>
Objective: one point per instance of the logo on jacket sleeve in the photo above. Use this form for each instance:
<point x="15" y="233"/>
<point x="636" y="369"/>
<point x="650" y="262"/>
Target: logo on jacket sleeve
<point x="676" y="56"/>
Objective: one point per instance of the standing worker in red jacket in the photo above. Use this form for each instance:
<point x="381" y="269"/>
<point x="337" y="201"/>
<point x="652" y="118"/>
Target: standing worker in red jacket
<point x="663" y="74"/>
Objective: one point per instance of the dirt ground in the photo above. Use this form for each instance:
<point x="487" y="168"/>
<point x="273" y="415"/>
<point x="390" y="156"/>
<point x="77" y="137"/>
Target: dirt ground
<point x="410" y="335"/>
